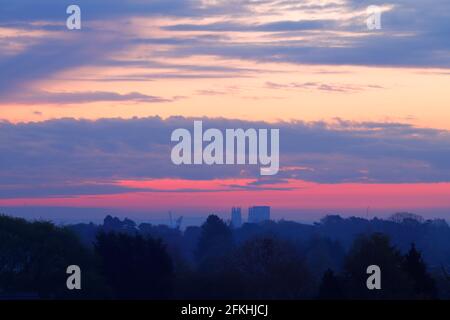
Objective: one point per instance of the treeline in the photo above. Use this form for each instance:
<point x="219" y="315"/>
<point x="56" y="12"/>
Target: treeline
<point x="272" y="260"/>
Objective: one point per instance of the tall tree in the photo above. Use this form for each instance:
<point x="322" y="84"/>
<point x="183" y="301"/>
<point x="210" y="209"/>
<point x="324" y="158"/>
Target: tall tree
<point x="376" y="250"/>
<point x="215" y="239"/>
<point x="414" y="266"/>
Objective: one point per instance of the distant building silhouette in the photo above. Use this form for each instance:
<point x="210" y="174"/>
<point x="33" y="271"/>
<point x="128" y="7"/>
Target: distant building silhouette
<point x="258" y="214"/>
<point x="236" y="217"/>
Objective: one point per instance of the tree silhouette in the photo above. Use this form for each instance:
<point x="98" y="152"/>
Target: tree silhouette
<point x="414" y="266"/>
<point x="270" y="268"/>
<point x="135" y="267"/>
<point x="273" y="260"/>
<point x="376" y="250"/>
<point x="34" y="257"/>
<point x="215" y="239"/>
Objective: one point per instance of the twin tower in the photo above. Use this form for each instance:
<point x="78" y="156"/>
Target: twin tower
<point x="255" y="215"/>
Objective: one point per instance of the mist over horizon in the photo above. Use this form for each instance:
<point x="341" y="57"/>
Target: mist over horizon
<point x="196" y="217"/>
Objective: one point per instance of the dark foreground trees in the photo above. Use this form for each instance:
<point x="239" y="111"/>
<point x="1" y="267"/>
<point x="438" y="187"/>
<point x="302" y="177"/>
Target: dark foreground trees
<point x="331" y="287"/>
<point x="260" y="268"/>
<point x="215" y="240"/>
<point x="34" y="258"/>
<point x="261" y="264"/>
<point x="376" y="250"/>
<point x="424" y="286"/>
<point x="135" y="267"/>
<point x="272" y="269"/>
<point x="402" y="276"/>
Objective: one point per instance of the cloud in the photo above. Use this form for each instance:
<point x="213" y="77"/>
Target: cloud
<point x="414" y="33"/>
<point x="343" y="88"/>
<point x="79" y="156"/>
<point x="80" y="97"/>
<point x="371" y="50"/>
<point x="49" y="57"/>
<point x="277" y="26"/>
<point x="29" y="10"/>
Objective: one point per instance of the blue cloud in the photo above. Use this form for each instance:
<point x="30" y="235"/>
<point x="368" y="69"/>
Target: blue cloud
<point x="42" y="97"/>
<point x="44" y="156"/>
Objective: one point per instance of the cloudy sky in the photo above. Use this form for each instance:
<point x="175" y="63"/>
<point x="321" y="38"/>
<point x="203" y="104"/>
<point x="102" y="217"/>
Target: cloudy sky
<point x="86" y="115"/>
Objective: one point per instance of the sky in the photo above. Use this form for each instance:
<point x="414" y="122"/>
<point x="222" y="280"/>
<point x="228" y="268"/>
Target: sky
<point x="86" y="115"/>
